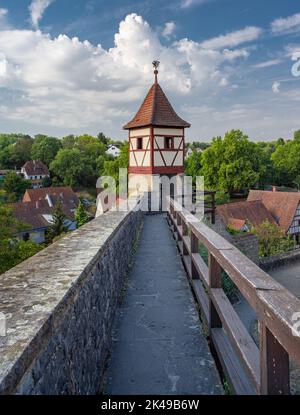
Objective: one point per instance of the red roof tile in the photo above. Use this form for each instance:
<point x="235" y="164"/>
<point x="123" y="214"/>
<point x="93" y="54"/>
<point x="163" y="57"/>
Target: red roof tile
<point x="236" y="224"/>
<point x="156" y="110"/>
<point x="39" y="202"/>
<point x="35" y="168"/>
<point x="64" y="192"/>
<point x="254" y="212"/>
<point x="282" y="205"/>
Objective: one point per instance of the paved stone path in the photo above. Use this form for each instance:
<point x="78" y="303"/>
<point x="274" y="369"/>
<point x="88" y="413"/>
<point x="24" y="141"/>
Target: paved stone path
<point x="158" y="344"/>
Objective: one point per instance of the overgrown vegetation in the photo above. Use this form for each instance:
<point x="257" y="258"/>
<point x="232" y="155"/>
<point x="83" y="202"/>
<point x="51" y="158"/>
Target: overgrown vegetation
<point x="272" y="239"/>
<point x="81" y="215"/>
<point x="12" y="250"/>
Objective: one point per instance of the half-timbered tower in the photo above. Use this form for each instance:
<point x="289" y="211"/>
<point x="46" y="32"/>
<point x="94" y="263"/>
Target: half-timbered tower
<point x="156" y="137"/>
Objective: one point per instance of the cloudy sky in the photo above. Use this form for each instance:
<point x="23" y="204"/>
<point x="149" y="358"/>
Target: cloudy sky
<point x="75" y="66"/>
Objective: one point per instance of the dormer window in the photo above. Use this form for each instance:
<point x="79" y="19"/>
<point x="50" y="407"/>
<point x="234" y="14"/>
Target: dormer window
<point x="169" y="143"/>
<point x="139" y="143"/>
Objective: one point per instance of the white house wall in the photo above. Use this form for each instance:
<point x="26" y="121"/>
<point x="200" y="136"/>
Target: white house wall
<point x="179" y="159"/>
<point x="132" y="160"/>
<point x="139" y="132"/>
<point x="158" y="161"/>
<point x="168" y="131"/>
<point x="147" y="159"/>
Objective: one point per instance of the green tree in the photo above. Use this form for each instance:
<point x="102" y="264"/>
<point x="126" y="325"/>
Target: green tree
<point x="69" y="165"/>
<point x="90" y="149"/>
<point x="15" y="185"/>
<point x="81" y="215"/>
<point x="45" y="148"/>
<point x="47" y="182"/>
<point x="7" y="142"/>
<point x="230" y="164"/>
<point x="199" y="145"/>
<point x="103" y="139"/>
<point x="286" y="159"/>
<point x="297" y="135"/>
<point x="111" y="166"/>
<point x="58" y="226"/>
<point x="12" y="250"/>
<point x="68" y="141"/>
<point x="193" y="165"/>
<point x="21" y="151"/>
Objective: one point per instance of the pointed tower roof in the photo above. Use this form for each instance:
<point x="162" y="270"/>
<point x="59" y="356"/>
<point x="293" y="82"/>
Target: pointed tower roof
<point x="156" y="110"/>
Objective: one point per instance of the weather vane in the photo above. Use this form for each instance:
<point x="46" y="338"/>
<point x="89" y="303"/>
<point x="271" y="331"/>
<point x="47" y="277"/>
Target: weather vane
<point x="155" y="66"/>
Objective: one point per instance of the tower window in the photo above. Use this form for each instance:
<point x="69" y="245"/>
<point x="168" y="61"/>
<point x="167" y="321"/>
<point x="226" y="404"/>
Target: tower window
<point x="169" y="142"/>
<point x="139" y="143"/>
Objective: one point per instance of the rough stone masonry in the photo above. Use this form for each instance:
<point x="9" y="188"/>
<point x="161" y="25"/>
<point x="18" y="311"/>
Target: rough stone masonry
<point x="59" y="307"/>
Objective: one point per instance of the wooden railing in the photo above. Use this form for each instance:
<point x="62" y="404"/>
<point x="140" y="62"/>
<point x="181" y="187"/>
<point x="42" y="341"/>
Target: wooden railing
<point x="249" y="369"/>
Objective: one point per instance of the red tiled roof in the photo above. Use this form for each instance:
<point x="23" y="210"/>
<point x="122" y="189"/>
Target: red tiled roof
<point x="29" y="214"/>
<point x="35" y="168"/>
<point x="254" y="212"/>
<point x="35" y="204"/>
<point x="156" y="110"/>
<point x="282" y="205"/>
<point x="64" y="193"/>
<point x="236" y="224"/>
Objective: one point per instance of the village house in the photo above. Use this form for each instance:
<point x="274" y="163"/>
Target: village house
<point x="36" y="210"/>
<point x="241" y="216"/>
<point x="280" y="208"/>
<point x="284" y="207"/>
<point x="113" y="151"/>
<point x="36" y="172"/>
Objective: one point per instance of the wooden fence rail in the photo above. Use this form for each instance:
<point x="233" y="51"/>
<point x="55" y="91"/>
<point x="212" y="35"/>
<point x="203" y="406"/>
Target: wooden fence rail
<point x="249" y="369"/>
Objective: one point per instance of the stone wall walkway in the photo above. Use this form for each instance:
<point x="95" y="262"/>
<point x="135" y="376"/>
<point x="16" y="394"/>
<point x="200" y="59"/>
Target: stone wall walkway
<point x="158" y="343"/>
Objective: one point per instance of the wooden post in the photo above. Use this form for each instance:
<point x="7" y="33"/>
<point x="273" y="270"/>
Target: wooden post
<point x="215" y="281"/>
<point x="213" y="208"/>
<point x="274" y="365"/>
<point x="194" y="250"/>
<point x="179" y="222"/>
<point x="185" y="232"/>
<point x="174" y="220"/>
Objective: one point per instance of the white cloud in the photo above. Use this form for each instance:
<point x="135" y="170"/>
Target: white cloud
<point x="71" y="84"/>
<point x="3" y="12"/>
<point x="185" y="4"/>
<point x="233" y="39"/>
<point x="286" y="25"/>
<point x="267" y="64"/>
<point x="37" y="9"/>
<point x="169" y="29"/>
<point x="276" y="87"/>
<point x="62" y="85"/>
<point x="3" y="19"/>
<point x="291" y="50"/>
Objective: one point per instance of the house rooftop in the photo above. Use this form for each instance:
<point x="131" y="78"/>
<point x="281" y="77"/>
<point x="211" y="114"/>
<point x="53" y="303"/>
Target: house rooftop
<point x="156" y="110"/>
<point x="282" y="205"/>
<point x="37" y="203"/>
<point x="235" y="214"/>
<point x="36" y="168"/>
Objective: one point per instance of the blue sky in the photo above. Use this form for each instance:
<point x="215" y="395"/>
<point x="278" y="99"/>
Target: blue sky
<point x="74" y="66"/>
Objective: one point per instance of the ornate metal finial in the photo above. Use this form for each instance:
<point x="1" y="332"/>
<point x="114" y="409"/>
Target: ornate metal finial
<point x="155" y="66"/>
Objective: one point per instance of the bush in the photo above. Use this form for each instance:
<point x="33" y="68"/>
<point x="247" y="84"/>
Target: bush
<point x="272" y="239"/>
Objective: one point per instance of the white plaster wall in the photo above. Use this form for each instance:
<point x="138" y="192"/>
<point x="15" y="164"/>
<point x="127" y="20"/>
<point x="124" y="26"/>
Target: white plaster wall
<point x="139" y="132"/>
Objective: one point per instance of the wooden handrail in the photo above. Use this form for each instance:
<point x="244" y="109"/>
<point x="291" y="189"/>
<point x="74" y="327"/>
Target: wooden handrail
<point x="249" y="368"/>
